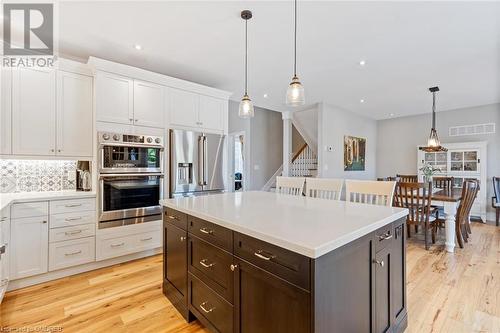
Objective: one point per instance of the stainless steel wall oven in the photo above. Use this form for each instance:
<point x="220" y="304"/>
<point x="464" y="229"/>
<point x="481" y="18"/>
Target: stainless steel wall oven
<point x="130" y="179"/>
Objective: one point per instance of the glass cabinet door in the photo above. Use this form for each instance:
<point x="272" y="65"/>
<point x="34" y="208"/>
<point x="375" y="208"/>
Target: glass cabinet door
<point x="464" y="161"/>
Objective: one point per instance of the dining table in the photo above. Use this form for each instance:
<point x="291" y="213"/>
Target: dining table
<point x="449" y="199"/>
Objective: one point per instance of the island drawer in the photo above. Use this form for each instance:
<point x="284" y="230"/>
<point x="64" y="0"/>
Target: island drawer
<point x="175" y="217"/>
<point x="212" y="265"/>
<point x="383" y="237"/>
<point x="212" y="233"/>
<point x="286" y="264"/>
<point x="211" y="309"/>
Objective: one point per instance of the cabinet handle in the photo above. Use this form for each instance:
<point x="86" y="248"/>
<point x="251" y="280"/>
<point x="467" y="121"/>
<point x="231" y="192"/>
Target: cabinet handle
<point x="146" y="239"/>
<point x="206" y="231"/>
<point x="204" y="263"/>
<point x="233" y="267"/>
<point x="183" y="238"/>
<point x="52" y="150"/>
<point x="72" y="205"/>
<point x="172" y="217"/>
<point x="130" y="119"/>
<point x="59" y="150"/>
<point x="71" y="233"/>
<point x="259" y="254"/>
<point x="387" y="235"/>
<point x="73" y="253"/>
<point x="69" y="219"/>
<point x="44" y="222"/>
<point x="117" y="245"/>
<point x="202" y="306"/>
<point x="381" y="263"/>
<point x="136" y="120"/>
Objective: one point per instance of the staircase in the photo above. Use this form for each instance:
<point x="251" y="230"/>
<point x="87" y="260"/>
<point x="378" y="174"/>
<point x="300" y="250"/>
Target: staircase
<point x="304" y="164"/>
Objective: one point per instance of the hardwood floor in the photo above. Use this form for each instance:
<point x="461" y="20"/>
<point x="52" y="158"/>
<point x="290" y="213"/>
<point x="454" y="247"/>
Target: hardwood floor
<point x="446" y="293"/>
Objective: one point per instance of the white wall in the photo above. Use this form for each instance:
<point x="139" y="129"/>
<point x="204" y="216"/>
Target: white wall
<point x="398" y="139"/>
<point x="264" y="137"/>
<point x="333" y="124"/>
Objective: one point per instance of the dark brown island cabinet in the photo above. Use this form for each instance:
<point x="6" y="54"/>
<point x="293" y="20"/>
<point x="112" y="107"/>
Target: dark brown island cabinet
<point x="231" y="282"/>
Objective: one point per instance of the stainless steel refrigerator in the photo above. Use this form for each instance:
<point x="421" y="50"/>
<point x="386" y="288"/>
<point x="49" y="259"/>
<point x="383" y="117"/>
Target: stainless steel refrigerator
<point x="196" y="163"/>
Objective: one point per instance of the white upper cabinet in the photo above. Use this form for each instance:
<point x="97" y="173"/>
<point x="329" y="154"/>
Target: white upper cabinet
<point x="5" y="111"/>
<point x="114" y="98"/>
<point x="74" y="115"/>
<point x="196" y="111"/>
<point x="211" y="113"/>
<point x="183" y="108"/>
<point x="149" y="107"/>
<point x="33" y="111"/>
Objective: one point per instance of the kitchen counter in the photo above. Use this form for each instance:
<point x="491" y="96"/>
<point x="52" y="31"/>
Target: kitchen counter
<point x="9" y="198"/>
<point x="308" y="226"/>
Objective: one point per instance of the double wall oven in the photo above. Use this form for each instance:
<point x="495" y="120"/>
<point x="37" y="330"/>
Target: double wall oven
<point x="130" y="178"/>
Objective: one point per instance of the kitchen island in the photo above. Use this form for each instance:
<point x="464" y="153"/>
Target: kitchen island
<point x="265" y="262"/>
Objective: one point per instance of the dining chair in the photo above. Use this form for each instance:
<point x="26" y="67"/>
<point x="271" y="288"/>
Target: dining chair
<point x="495" y="201"/>
<point x="290" y="185"/>
<point x="462" y="227"/>
<point x="324" y="188"/>
<point x="407" y="178"/>
<point x="370" y="192"/>
<point x="416" y="197"/>
<point x="445" y="183"/>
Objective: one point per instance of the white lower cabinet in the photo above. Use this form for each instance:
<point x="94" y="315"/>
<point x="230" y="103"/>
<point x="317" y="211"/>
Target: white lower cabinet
<point x="120" y="241"/>
<point x="71" y="253"/>
<point x="29" y="246"/>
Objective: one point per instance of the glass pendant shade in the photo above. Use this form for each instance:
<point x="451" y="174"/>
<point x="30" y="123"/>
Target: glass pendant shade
<point x="433" y="143"/>
<point x="246" y="108"/>
<point x="295" y="93"/>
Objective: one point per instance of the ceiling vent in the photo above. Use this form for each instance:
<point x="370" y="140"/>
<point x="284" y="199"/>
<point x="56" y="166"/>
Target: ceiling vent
<point x="477" y="129"/>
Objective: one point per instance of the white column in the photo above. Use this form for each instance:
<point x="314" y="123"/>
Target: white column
<point x="450" y="210"/>
<point x="287" y="141"/>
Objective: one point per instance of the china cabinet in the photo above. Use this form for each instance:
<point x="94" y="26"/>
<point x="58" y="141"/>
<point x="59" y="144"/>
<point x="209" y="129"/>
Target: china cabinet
<point x="462" y="161"/>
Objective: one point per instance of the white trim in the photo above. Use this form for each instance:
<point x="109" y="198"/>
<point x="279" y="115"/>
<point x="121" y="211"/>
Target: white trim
<point x="98" y="64"/>
<point x="29" y="281"/>
<point x="267" y="186"/>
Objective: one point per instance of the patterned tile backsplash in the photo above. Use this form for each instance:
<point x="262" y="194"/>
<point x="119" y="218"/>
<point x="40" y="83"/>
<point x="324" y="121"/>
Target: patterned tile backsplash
<point x="36" y="176"/>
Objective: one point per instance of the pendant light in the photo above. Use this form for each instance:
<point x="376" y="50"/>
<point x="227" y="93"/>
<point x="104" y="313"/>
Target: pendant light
<point x="433" y="143"/>
<point x="295" y="92"/>
<point x="246" y="109"/>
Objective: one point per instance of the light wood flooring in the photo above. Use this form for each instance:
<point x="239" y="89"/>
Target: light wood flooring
<point x="446" y="293"/>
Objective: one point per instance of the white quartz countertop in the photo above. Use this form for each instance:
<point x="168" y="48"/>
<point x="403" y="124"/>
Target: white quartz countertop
<point x="9" y="198"/>
<point x="308" y="226"/>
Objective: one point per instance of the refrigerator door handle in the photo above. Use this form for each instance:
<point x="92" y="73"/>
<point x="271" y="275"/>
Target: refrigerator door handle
<point x="201" y="161"/>
<point x="205" y="161"/>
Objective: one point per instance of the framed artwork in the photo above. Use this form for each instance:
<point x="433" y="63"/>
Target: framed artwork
<point x="354" y="153"/>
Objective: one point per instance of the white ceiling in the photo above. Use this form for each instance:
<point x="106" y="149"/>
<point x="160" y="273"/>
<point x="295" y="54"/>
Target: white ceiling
<point x="408" y="47"/>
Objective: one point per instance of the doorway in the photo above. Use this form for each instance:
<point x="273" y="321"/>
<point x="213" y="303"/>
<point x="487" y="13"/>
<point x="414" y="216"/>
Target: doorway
<point x="238" y="148"/>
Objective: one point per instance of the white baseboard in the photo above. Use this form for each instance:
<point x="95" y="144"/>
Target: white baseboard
<point x="32" y="280"/>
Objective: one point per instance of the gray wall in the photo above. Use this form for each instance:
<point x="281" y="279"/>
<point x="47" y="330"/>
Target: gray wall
<point x="264" y="136"/>
<point x="398" y="139"/>
<point x="333" y="124"/>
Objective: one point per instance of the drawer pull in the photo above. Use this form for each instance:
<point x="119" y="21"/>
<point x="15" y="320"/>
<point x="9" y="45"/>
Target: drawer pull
<point x="72" y="205"/>
<point x="69" y="219"/>
<point x="71" y="233"/>
<point x="172" y="217"/>
<point x="387" y="235"/>
<point x="204" y="263"/>
<point x="117" y="245"/>
<point x="233" y="267"/>
<point x="380" y="263"/>
<point x="183" y="238"/>
<point x="146" y="239"/>
<point x="260" y="254"/>
<point x="73" y="253"/>
<point x="207" y="231"/>
<point x="202" y="306"/>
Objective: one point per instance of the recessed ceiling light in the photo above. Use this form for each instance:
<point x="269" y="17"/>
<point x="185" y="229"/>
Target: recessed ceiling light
<point x="265" y="95"/>
<point x="138" y="47"/>
<point x="362" y="62"/>
<point x="391" y="114"/>
<point x="361" y="100"/>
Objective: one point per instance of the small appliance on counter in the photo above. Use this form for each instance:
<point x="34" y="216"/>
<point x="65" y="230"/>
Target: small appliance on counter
<point x="83" y="176"/>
